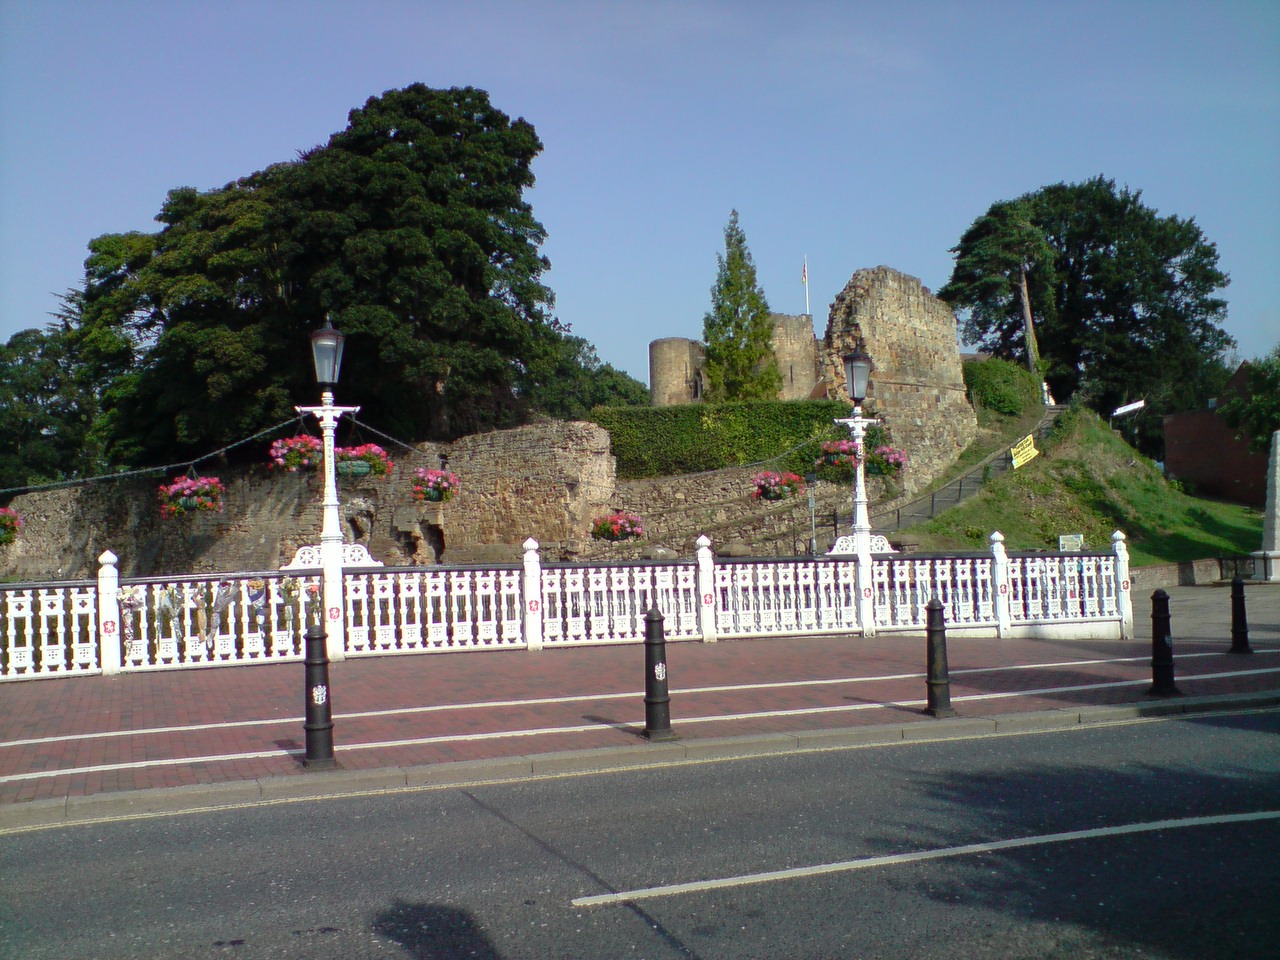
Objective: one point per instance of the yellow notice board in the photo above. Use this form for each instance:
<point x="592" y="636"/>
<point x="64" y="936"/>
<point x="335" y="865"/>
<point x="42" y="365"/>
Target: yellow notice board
<point x="1024" y="451"/>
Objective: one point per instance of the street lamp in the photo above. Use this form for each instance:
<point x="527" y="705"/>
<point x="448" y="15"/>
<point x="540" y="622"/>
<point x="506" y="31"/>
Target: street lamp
<point x="326" y="351"/>
<point x="857" y="373"/>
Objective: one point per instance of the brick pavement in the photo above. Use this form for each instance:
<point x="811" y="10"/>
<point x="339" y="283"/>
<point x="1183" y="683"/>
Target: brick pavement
<point x="63" y="740"/>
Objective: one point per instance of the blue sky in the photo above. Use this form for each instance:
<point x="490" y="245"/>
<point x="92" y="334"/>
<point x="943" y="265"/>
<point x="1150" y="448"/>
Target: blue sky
<point x="855" y="134"/>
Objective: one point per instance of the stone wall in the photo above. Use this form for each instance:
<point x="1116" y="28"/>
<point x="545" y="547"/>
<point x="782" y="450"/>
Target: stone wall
<point x="547" y="481"/>
<point x="796" y="352"/>
<point x="917" y="387"/>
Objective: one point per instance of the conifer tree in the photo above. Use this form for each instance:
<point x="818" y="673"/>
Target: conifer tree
<point x="738" y="329"/>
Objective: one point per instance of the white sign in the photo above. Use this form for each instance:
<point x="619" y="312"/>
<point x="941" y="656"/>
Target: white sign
<point x="1070" y="542"/>
<point x="1129" y="408"/>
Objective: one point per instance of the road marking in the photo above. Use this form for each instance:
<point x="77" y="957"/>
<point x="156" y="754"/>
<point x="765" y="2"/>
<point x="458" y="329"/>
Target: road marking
<point x="845" y="866"/>
<point x="584" y="698"/>
<point x="592" y="727"/>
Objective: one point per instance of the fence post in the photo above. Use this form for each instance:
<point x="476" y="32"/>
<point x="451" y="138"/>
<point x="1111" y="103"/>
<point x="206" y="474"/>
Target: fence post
<point x="657" y="699"/>
<point x="862" y="583"/>
<point x="108" y="614"/>
<point x="317" y="724"/>
<point x="1162" y="684"/>
<point x="531" y="614"/>
<point x="1239" y="620"/>
<point x="1000" y="582"/>
<point x="939" y="676"/>
<point x="706" y="590"/>
<point x="1124" y="595"/>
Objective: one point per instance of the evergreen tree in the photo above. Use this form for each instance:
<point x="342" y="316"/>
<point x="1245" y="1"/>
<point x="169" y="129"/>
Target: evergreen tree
<point x="737" y="330"/>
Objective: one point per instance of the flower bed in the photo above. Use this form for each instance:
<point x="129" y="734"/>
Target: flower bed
<point x="435" y="486"/>
<point x="10" y="525"/>
<point x="296" y="453"/>
<point x="838" y="462"/>
<point x="191" y="494"/>
<point x="364" y="460"/>
<point x="617" y="526"/>
<point x="776" y="486"/>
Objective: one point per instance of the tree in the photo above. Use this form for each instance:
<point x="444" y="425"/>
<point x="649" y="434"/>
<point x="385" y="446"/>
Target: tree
<point x="572" y="379"/>
<point x="1126" y="301"/>
<point x="993" y="260"/>
<point x="1255" y="413"/>
<point x="408" y="228"/>
<point x="45" y="406"/>
<point x="738" y="330"/>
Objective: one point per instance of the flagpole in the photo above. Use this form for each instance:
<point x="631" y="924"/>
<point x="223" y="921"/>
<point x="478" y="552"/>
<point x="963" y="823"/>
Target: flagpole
<point x="804" y="278"/>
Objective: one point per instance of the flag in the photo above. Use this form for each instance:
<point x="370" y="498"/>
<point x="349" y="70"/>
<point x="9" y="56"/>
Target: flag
<point x="804" y="273"/>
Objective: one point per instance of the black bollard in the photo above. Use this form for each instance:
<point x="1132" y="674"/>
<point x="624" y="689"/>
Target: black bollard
<point x="657" y="701"/>
<point x="1161" y="648"/>
<point x="318" y="725"/>
<point x="939" y="676"/>
<point x="1239" y="622"/>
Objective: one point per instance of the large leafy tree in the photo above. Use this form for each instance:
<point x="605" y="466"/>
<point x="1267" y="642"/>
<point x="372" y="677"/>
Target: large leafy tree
<point x="1256" y="413"/>
<point x="409" y="229"/>
<point x="46" y="407"/>
<point x="738" y="330"/>
<point x="570" y="380"/>
<point x="1126" y="299"/>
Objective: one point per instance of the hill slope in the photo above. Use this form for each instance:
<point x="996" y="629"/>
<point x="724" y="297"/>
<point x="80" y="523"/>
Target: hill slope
<point x="1087" y="480"/>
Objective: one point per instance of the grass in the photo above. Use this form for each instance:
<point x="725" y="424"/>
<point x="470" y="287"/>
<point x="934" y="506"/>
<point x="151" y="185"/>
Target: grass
<point x="1089" y="481"/>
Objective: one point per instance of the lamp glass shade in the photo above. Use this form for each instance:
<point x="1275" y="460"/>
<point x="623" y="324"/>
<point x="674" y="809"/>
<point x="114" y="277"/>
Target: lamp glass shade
<point x="857" y="371"/>
<point x="326" y="350"/>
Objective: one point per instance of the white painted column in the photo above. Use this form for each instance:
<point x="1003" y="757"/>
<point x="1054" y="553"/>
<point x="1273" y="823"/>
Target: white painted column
<point x="1000" y="582"/>
<point x="109" y="656"/>
<point x="531" y="593"/>
<point x="1267" y="566"/>
<point x="1124" y="585"/>
<point x="706" y="590"/>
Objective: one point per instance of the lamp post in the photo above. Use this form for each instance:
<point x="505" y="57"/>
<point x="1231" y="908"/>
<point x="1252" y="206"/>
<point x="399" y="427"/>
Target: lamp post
<point x="326" y="351"/>
<point x="857" y="373"/>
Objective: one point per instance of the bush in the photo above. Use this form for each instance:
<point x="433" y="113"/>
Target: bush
<point x="1001" y="386"/>
<point x="692" y="438"/>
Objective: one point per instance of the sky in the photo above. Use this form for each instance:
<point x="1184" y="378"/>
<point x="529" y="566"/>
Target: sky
<point x="846" y="134"/>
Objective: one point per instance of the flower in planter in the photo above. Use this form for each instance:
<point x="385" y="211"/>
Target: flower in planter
<point x="348" y="460"/>
<point x="296" y="453"/>
<point x="10" y="525"/>
<point x="188" y="494"/>
<point x="838" y="461"/>
<point x="617" y="526"/>
<point x="776" y="486"/>
<point x="886" y="461"/>
<point x="435" y="486"/>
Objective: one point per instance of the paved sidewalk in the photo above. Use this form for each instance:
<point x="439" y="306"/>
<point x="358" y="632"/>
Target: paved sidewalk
<point x="97" y="747"/>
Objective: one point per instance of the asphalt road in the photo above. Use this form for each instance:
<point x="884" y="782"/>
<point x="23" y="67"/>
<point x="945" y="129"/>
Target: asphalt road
<point x="1158" y="839"/>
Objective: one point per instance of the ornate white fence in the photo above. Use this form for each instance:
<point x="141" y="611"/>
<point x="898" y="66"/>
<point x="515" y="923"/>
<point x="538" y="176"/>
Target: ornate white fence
<point x="79" y="627"/>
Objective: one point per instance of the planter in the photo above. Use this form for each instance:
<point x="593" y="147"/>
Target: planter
<point x="353" y="468"/>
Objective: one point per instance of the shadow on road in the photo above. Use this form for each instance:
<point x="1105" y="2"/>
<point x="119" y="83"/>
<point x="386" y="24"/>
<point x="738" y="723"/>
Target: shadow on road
<point x="432" y="931"/>
<point x="1172" y="893"/>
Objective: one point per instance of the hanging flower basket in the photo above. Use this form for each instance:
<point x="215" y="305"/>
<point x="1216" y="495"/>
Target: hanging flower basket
<point x="190" y="495"/>
<point x="617" y="526"/>
<point x="435" y="486"/>
<point x="362" y="461"/>
<point x="838" y="462"/>
<point x="776" y="486"/>
<point x="886" y="461"/>
<point x="296" y="453"/>
<point x="10" y="525"/>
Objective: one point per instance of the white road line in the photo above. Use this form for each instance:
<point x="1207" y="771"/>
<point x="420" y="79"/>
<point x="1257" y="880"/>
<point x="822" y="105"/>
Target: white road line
<point x="797" y="873"/>
<point x="589" y="727"/>
<point x="544" y="701"/>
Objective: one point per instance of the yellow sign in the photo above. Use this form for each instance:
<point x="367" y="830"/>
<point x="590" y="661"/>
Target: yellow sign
<point x="1024" y="451"/>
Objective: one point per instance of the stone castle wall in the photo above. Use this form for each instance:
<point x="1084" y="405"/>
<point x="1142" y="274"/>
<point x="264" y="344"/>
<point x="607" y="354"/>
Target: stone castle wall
<point x="917" y="385"/>
<point x="797" y="354"/>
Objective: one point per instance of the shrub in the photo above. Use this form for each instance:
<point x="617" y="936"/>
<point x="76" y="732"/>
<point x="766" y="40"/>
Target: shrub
<point x="1001" y="386"/>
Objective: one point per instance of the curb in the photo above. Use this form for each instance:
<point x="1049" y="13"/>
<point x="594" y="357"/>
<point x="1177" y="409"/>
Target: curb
<point x="337" y="784"/>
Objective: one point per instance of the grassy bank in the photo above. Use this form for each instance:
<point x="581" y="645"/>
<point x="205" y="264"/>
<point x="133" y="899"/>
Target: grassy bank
<point x="1089" y="481"/>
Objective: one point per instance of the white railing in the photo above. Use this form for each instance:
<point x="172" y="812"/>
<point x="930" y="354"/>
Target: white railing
<point x="154" y="623"/>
